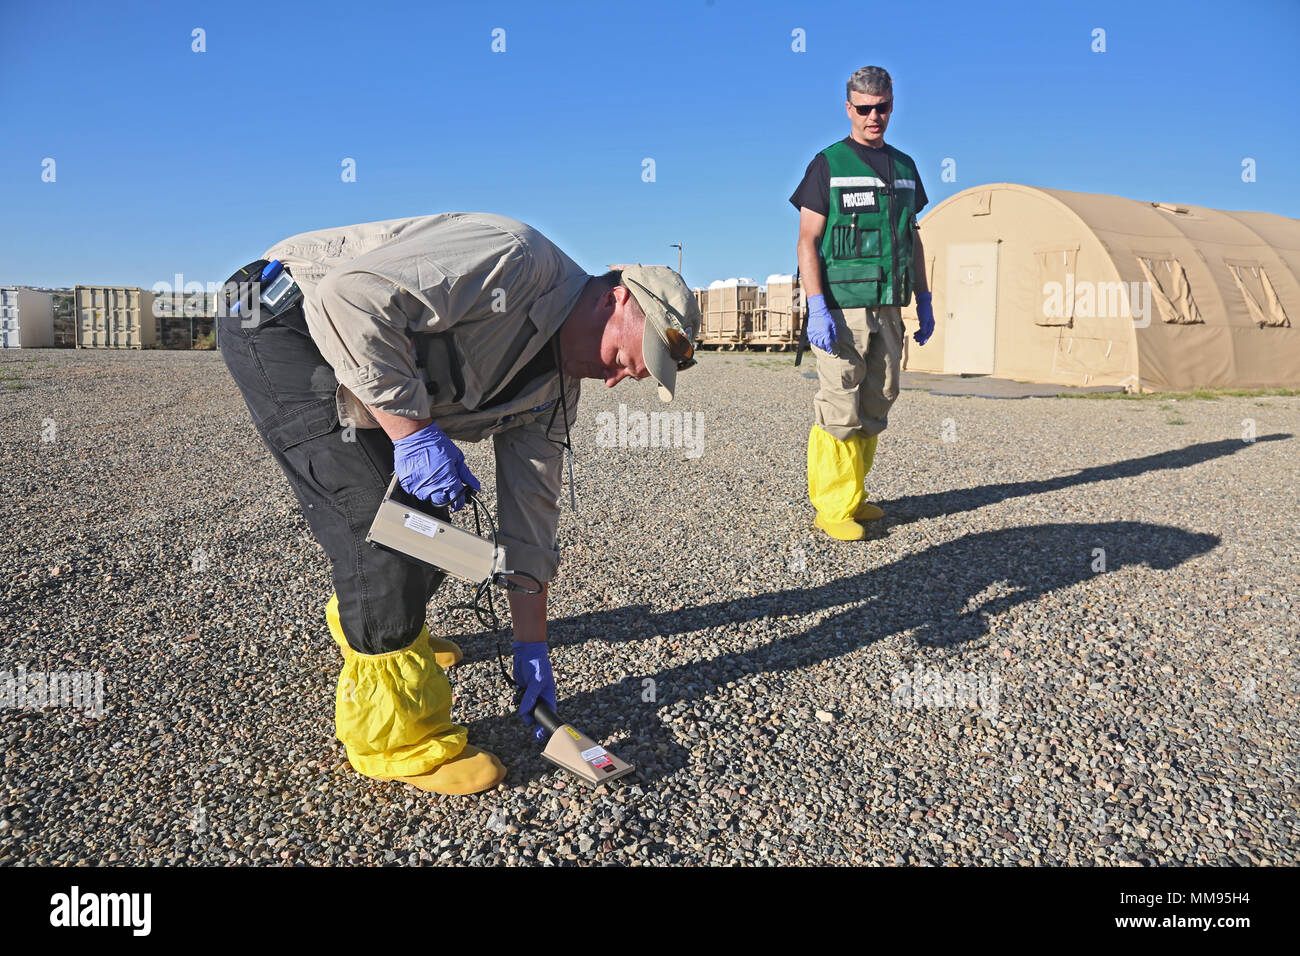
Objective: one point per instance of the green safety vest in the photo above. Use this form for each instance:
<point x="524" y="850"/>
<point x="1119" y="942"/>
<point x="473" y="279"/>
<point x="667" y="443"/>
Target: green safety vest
<point x="866" y="250"/>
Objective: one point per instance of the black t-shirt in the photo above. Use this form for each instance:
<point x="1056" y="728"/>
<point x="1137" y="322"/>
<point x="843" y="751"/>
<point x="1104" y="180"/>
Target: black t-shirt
<point x="815" y="190"/>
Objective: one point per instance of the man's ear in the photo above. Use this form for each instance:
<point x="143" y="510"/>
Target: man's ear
<point x="633" y="315"/>
<point x="610" y="301"/>
<point x="622" y="306"/>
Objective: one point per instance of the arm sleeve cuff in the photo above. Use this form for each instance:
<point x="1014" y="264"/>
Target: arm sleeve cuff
<point x="387" y="391"/>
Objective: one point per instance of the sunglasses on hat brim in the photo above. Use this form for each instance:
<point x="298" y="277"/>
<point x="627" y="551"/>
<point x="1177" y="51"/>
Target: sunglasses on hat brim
<point x="680" y="349"/>
<point x="679" y="343"/>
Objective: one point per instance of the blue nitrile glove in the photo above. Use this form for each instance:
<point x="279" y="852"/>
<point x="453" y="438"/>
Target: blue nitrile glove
<point x="925" y="313"/>
<point x="821" y="325"/>
<point x="532" y="672"/>
<point x="430" y="466"/>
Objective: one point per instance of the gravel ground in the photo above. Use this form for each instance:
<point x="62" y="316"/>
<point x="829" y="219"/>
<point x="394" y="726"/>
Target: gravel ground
<point x="1071" y="640"/>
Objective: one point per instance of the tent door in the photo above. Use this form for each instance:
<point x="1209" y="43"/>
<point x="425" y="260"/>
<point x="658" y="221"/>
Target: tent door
<point x="972" y="295"/>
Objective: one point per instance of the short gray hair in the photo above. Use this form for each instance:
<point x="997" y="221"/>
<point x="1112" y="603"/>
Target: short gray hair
<point x="612" y="280"/>
<point x="872" y="80"/>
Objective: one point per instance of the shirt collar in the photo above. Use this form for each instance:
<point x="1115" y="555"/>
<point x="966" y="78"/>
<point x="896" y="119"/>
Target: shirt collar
<point x="549" y="311"/>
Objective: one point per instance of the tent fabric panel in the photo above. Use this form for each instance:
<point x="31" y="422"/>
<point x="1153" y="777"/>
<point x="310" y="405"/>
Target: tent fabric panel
<point x="1092" y="361"/>
<point x="1180" y="357"/>
<point x="1057" y="267"/>
<point x="1170" y="290"/>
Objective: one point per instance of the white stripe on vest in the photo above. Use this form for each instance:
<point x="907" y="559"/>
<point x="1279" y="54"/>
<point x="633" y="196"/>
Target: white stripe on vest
<point x="855" y="181"/>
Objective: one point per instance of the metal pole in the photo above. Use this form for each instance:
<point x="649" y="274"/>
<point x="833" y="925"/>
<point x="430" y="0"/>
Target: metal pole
<point x="679" y="246"/>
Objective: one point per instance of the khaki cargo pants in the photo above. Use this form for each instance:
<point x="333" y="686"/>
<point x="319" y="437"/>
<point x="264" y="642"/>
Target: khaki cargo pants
<point x="859" y="380"/>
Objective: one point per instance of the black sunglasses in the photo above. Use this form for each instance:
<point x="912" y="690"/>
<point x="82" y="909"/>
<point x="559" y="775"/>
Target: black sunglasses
<point x="882" y="108"/>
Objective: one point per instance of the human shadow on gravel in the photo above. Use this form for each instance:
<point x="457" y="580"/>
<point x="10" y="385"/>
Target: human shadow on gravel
<point x="914" y="507"/>
<point x="942" y="596"/>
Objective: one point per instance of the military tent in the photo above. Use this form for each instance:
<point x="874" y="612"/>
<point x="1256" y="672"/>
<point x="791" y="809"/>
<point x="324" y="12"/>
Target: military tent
<point x="1044" y="285"/>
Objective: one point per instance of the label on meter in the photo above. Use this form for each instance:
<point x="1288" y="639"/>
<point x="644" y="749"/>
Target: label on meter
<point x="421" y="524"/>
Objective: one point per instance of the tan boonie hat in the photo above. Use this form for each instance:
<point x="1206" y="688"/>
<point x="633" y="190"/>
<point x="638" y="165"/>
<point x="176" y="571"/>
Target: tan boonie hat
<point x="671" y="312"/>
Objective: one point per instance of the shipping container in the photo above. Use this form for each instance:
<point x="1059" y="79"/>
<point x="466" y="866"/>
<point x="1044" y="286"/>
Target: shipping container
<point x="26" y="318"/>
<point x="782" y="315"/>
<point x="114" y="317"/>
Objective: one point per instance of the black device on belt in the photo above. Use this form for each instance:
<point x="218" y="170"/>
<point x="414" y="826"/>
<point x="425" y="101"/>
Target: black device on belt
<point x="261" y="286"/>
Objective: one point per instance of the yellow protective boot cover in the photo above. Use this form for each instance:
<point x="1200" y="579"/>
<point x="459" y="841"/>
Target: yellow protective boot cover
<point x="446" y="653"/>
<point x="868" y="452"/>
<point x="470" y="771"/>
<point x="835" y="475"/>
<point x="336" y="626"/>
<point x="393" y="712"/>
<point x="842" y="530"/>
<point x="867" y="511"/>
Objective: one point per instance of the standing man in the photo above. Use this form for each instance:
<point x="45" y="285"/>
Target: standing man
<point x="375" y="347"/>
<point x="860" y="260"/>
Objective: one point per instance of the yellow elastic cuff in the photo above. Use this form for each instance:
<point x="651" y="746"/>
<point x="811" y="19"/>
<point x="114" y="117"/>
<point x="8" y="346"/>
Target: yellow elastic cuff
<point x="393" y="712"/>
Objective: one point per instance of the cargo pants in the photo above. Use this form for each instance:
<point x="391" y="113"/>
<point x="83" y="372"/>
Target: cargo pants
<point x="859" y="380"/>
<point x="339" y="476"/>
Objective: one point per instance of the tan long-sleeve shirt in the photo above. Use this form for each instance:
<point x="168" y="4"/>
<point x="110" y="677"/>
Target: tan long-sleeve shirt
<point x="432" y="316"/>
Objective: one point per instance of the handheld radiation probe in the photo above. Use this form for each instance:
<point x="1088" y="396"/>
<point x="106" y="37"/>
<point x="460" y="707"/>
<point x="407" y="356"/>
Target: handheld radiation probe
<point x="402" y="525"/>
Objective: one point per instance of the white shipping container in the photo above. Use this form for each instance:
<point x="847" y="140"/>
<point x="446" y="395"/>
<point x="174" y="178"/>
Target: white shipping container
<point x="26" y="318"/>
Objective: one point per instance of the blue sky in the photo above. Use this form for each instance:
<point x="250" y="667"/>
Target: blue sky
<point x="169" y="160"/>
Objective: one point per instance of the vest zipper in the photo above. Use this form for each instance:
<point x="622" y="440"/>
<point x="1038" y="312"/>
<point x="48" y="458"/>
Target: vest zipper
<point x="896" y="285"/>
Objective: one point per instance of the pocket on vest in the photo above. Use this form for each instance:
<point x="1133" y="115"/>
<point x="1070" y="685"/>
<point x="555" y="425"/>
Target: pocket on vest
<point x="854" y="285"/>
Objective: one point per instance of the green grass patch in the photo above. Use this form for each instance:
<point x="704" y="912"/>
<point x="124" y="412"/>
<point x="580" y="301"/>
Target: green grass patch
<point x="1206" y="394"/>
<point x="1175" y="421"/>
<point x="757" y="359"/>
